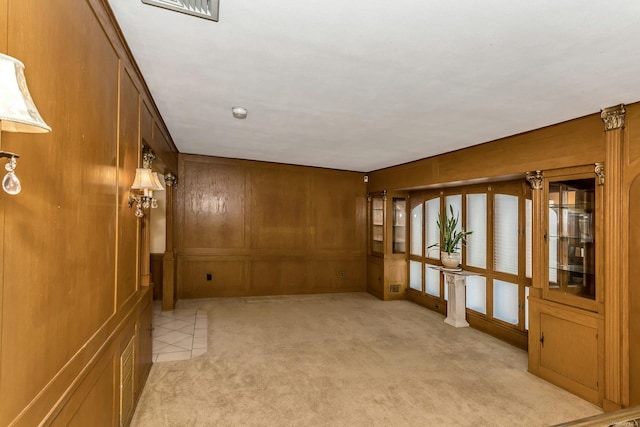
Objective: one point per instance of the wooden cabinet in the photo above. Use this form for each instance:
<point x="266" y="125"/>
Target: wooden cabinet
<point x="387" y="264"/>
<point x="399" y="225"/>
<point x="571" y="240"/>
<point x="566" y="348"/>
<point x="566" y="342"/>
<point x="377" y="220"/>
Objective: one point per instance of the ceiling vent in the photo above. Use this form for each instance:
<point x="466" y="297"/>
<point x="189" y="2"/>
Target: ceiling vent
<point x="207" y="9"/>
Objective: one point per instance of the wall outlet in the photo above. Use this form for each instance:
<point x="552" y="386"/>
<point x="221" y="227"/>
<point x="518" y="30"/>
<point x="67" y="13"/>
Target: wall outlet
<point x="209" y="277"/>
<point x="342" y="274"/>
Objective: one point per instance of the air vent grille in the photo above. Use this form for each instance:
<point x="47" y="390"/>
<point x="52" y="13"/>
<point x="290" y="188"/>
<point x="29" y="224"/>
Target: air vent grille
<point x="207" y="9"/>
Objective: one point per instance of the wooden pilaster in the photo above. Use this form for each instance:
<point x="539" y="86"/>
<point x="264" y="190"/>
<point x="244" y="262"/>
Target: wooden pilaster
<point x="613" y="119"/>
<point x="168" y="274"/>
<point x="536" y="181"/>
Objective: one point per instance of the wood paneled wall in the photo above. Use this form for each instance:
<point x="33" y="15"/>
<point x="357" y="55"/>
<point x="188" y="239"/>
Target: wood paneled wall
<point x="70" y="293"/>
<point x="577" y="142"/>
<point x="265" y="229"/>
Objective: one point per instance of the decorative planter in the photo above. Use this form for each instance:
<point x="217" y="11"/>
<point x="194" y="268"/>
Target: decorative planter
<point x="451" y="260"/>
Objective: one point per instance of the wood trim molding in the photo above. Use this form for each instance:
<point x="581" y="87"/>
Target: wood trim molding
<point x="613" y="119"/>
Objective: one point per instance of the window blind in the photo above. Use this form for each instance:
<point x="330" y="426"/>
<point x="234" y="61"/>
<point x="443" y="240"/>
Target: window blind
<point x="415" y="275"/>
<point x="416" y="230"/>
<point x="505" y="233"/>
<point x="433" y="234"/>
<point x="477" y="223"/>
<point x="505" y="301"/>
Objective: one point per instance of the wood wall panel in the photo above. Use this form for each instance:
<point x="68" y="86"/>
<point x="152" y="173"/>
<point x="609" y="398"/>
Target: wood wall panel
<point x="228" y="278"/>
<point x="128" y="225"/>
<point x="632" y="133"/>
<point x="4" y="14"/>
<point x="214" y="206"/>
<point x="576" y="142"/>
<point x="146" y="124"/>
<point x="281" y="277"/>
<point x="52" y="224"/>
<point x="339" y="216"/>
<point x="164" y="149"/>
<point x="634" y="294"/>
<point x="295" y="228"/>
<point x="280" y="208"/>
<point x="71" y="267"/>
<point x="339" y="275"/>
<point x="630" y="298"/>
<point x="98" y="406"/>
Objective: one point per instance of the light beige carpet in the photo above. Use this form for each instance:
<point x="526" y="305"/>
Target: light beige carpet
<point x="347" y="360"/>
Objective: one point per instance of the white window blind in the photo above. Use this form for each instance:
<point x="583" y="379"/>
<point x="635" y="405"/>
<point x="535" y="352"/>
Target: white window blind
<point x="415" y="275"/>
<point x="477" y="224"/>
<point x="432" y="284"/>
<point x="433" y="233"/>
<point x="416" y="230"/>
<point x="477" y="293"/>
<point x="505" y="301"/>
<point x="505" y="233"/>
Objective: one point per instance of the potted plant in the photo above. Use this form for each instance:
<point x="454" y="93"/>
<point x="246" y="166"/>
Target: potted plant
<point x="451" y="239"/>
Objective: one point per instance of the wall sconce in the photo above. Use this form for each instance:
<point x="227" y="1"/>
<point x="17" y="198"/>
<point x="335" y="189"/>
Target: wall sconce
<point x="18" y="113"/>
<point x="145" y="183"/>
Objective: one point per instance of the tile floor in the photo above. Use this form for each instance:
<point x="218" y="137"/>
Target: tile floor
<point x="178" y="334"/>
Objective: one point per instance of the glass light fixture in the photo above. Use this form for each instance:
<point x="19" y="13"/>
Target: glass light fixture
<point x="18" y="113"/>
<point x="144" y="184"/>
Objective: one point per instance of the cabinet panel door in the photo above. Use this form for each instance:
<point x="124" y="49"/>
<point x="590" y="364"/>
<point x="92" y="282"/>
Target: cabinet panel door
<point x="375" y="279"/>
<point x="569" y="349"/>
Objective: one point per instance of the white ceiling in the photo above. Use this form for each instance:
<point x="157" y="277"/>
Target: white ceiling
<point x="365" y="84"/>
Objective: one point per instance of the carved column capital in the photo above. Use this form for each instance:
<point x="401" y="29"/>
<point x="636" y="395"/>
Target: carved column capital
<point x="170" y="179"/>
<point x="535" y="180"/>
<point x="599" y="170"/>
<point x="613" y="117"/>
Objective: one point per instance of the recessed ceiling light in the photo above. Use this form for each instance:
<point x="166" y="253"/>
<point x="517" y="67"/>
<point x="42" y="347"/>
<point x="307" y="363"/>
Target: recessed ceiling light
<point x="239" y="112"/>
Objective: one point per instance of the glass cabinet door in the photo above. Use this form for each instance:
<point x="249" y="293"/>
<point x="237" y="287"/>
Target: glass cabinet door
<point x="571" y="238"/>
<point x="377" y="224"/>
<point x="399" y="226"/>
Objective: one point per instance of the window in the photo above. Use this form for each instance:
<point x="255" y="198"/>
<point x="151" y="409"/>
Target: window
<point x="505" y="233"/>
<point x="415" y="275"/>
<point x="498" y="250"/>
<point x="433" y="233"/>
<point x="477" y="222"/>
<point x="416" y="230"/>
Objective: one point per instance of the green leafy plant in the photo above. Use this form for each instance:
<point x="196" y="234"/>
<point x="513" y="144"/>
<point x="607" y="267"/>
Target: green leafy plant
<point x="451" y="239"/>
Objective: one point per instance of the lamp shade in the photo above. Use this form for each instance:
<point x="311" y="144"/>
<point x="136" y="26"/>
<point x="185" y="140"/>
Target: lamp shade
<point x="143" y="180"/>
<point x="157" y="182"/>
<point x="18" y="113"/>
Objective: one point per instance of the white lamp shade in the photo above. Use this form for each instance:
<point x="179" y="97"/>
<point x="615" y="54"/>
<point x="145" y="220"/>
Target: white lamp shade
<point x="157" y="182"/>
<point x="144" y="180"/>
<point x="18" y="113"/>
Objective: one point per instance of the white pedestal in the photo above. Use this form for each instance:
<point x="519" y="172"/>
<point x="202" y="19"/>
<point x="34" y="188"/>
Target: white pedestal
<point x="456" y="306"/>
